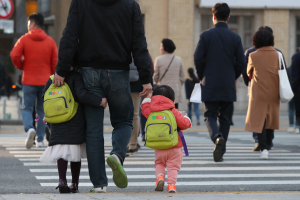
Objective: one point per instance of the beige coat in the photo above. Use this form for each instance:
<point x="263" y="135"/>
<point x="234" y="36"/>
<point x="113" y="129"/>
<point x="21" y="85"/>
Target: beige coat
<point x="264" y="95"/>
<point x="175" y="76"/>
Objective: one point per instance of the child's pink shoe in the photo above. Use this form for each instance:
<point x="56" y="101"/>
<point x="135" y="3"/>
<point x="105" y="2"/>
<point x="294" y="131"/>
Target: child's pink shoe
<point x="172" y="188"/>
<point x="160" y="183"/>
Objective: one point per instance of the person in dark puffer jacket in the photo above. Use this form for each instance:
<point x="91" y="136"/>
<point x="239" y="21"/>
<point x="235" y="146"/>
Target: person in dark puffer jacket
<point x="67" y="140"/>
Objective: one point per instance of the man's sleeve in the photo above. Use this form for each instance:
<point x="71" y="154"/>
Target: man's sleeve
<point x="199" y="57"/>
<point x="17" y="53"/>
<point x="240" y="60"/>
<point x="54" y="57"/>
<point x="139" y="46"/>
<point x="296" y="73"/>
<point x="69" y="41"/>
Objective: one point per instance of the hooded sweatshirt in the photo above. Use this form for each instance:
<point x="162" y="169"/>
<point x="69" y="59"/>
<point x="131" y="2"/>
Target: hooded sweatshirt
<point x="103" y="34"/>
<point x="39" y="57"/>
<point x="159" y="103"/>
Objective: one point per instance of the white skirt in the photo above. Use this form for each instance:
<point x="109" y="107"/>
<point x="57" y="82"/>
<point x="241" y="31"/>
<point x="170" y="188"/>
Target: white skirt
<point x="71" y="153"/>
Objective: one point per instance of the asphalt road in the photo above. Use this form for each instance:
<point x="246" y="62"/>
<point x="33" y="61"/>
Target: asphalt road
<point x="241" y="171"/>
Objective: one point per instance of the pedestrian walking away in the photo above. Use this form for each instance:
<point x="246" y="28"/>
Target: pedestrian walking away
<point x="247" y="82"/>
<point x="171" y="158"/>
<point x="100" y="36"/>
<point x="169" y="70"/>
<point x="263" y="109"/>
<point x="219" y="56"/>
<point x="39" y="54"/>
<point x="2" y="77"/>
<point x="295" y="77"/>
<point x="189" y="87"/>
<point x="67" y="140"/>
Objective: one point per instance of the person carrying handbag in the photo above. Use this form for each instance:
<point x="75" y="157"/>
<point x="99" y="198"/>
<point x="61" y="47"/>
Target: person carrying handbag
<point x="169" y="70"/>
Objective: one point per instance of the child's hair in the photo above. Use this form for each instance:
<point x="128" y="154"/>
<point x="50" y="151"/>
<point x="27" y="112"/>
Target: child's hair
<point x="165" y="91"/>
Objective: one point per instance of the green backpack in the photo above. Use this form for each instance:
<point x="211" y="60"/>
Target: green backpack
<point x="59" y="104"/>
<point x="161" y="130"/>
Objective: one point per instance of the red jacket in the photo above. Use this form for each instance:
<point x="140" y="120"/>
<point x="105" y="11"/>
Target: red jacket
<point x="39" y="53"/>
<point x="160" y="103"/>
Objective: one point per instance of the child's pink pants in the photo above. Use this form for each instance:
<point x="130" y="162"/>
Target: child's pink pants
<point x="170" y="159"/>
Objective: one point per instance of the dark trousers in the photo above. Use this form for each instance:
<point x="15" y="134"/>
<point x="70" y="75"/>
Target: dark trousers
<point x="265" y="138"/>
<point x="222" y="111"/>
<point x="297" y="105"/>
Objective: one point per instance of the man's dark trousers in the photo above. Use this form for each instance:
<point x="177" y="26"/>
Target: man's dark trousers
<point x="297" y="105"/>
<point x="222" y="111"/>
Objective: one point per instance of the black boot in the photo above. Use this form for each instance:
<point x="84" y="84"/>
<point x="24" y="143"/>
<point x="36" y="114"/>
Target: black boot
<point x="63" y="187"/>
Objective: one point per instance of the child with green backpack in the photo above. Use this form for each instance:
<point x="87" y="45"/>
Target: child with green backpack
<point x="163" y="133"/>
<point x="64" y="110"/>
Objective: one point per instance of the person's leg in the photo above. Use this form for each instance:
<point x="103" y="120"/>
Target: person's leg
<point x="269" y="137"/>
<point x="190" y="110"/>
<point x="143" y="121"/>
<point x="29" y="97"/>
<point x="174" y="161"/>
<point x="292" y="113"/>
<point x="225" y="119"/>
<point x="75" y="171"/>
<point x="136" y="122"/>
<point x="41" y="127"/>
<point x="262" y="139"/>
<point x="161" y="157"/>
<point x="196" y="109"/>
<point x="255" y="136"/>
<point x="117" y="87"/>
<point x="211" y="112"/>
<point x="297" y="106"/>
<point x="94" y="132"/>
<point x="62" y="167"/>
<point x="176" y="105"/>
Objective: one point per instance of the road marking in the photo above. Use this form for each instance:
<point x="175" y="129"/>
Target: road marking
<point x="144" y="169"/>
<point x="185" y="176"/>
<point x="205" y="183"/>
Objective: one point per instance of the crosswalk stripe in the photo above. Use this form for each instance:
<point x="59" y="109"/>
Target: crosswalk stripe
<point x="205" y="183"/>
<point x="144" y="169"/>
<point x="253" y="157"/>
<point x="185" y="176"/>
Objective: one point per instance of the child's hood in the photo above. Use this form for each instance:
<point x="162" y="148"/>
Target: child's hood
<point x="159" y="103"/>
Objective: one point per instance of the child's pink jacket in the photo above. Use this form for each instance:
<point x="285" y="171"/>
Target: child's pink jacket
<point x="160" y="103"/>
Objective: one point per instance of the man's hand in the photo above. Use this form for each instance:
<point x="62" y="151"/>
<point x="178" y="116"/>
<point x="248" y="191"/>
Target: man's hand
<point x="187" y="101"/>
<point x="58" y="80"/>
<point x="147" y="90"/>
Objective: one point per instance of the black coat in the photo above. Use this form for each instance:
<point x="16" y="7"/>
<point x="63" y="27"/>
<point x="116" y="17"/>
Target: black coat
<point x="2" y="75"/>
<point x="295" y="74"/>
<point x="219" y="60"/>
<point x="247" y="53"/>
<point x="189" y="87"/>
<point x="102" y="34"/>
<point x="73" y="131"/>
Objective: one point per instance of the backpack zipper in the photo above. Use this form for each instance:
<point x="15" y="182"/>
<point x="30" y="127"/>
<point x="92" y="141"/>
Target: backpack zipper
<point x="58" y="98"/>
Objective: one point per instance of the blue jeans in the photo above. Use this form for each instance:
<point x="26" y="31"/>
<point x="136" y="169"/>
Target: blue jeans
<point x="292" y="111"/>
<point x="30" y="95"/>
<point x="196" y="109"/>
<point x="115" y="86"/>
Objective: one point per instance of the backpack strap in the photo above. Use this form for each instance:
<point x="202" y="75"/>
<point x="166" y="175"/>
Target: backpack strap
<point x="52" y="77"/>
<point x="183" y="143"/>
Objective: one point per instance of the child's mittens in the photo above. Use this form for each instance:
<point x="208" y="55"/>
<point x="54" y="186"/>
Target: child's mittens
<point x="104" y="103"/>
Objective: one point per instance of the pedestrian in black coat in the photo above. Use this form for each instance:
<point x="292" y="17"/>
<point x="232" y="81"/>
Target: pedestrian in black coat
<point x="219" y="60"/>
<point x="295" y="76"/>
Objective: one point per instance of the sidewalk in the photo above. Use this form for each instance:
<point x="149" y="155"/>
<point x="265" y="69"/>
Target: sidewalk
<point x="148" y="196"/>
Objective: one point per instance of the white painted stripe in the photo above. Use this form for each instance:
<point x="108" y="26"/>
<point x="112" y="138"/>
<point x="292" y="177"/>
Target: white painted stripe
<point x="189" y="162"/>
<point x="144" y="169"/>
<point x="152" y="151"/>
<point x="185" y="176"/>
<point x="227" y="158"/>
<point x="208" y="183"/>
<point x="32" y="149"/>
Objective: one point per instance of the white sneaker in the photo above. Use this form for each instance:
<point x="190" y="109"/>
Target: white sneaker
<point x="40" y="144"/>
<point x="297" y="130"/>
<point x="291" y="130"/>
<point x="99" y="190"/>
<point x="264" y="154"/>
<point x="30" y="137"/>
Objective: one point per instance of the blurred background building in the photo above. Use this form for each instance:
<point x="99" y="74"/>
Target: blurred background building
<point x="182" y="21"/>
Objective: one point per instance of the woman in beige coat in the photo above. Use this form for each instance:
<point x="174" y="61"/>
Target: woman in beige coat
<point x="174" y="77"/>
<point x="263" y="110"/>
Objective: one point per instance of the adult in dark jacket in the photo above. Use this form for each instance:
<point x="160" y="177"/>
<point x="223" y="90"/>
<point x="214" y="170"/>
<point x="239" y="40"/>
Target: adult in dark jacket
<point x="101" y="35"/>
<point x="67" y="139"/>
<point x="247" y="81"/>
<point x="219" y="61"/>
<point x="2" y="76"/>
<point x="189" y="87"/>
<point x="296" y="83"/>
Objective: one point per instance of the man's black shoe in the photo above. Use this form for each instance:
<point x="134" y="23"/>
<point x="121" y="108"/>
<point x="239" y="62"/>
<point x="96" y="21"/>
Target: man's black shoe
<point x="218" y="149"/>
<point x="256" y="147"/>
<point x="132" y="151"/>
